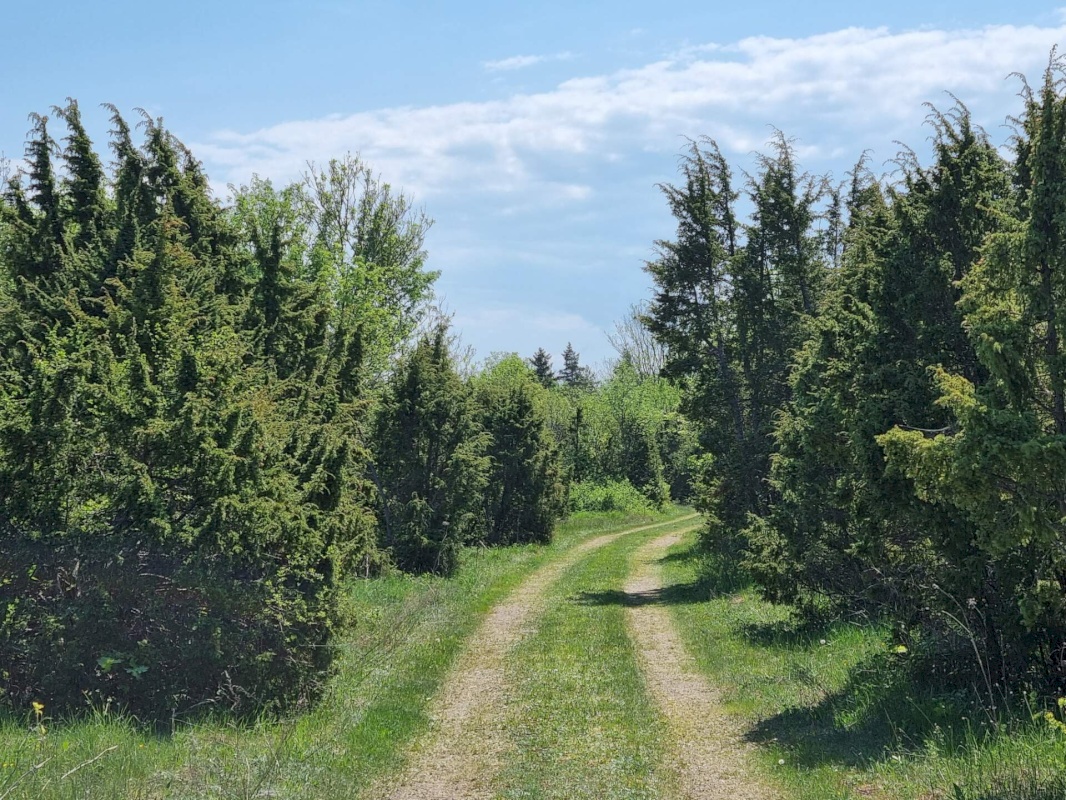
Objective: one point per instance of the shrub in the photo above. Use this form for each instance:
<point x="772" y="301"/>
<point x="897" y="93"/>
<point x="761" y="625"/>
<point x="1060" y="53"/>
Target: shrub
<point x="608" y="496"/>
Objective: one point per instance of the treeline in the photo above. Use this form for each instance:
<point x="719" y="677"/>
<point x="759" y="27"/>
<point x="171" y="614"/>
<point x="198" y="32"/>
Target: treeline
<point x="623" y="441"/>
<point x="211" y="415"/>
<point x="878" y="369"/>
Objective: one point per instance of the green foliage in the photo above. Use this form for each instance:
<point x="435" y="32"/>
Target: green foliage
<point x="432" y="466"/>
<point x="573" y="374"/>
<point x="542" y="368"/>
<point x="998" y="462"/>
<point x="525" y="493"/>
<point x="181" y="402"/>
<point x="608" y="496"/>
<point x="731" y="303"/>
<point x="882" y="403"/>
<point x="628" y="428"/>
<point x="890" y="316"/>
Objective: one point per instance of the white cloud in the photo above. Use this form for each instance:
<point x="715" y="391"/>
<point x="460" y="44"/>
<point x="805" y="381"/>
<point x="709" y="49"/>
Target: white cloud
<point x="848" y="82"/>
<point x="521" y="62"/>
<point x="547" y="160"/>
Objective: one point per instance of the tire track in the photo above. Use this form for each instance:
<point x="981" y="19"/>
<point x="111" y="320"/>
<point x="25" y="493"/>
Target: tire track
<point x="710" y="757"/>
<point x="459" y="758"/>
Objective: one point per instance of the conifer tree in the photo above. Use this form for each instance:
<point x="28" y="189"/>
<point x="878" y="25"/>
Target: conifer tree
<point x="525" y="493"/>
<point x="573" y="375"/>
<point x="692" y="315"/>
<point x="542" y="368"/>
<point x="188" y="505"/>
<point x="995" y="458"/>
<point x="430" y="466"/>
<point x="839" y="513"/>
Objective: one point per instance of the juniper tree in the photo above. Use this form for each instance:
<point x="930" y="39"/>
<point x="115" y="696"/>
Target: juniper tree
<point x="892" y="316"/>
<point x="430" y="463"/>
<point x="692" y="315"/>
<point x="525" y="494"/>
<point x="183" y="502"/>
<point x="996" y="460"/>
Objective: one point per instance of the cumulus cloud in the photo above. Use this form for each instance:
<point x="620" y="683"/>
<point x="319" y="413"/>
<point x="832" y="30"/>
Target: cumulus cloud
<point x="573" y="152"/>
<point x="854" y="80"/>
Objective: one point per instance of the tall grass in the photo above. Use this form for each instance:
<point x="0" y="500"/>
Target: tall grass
<point x="840" y="710"/>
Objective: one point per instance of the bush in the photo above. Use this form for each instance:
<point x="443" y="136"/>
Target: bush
<point x="181" y="407"/>
<point x="608" y="496"/>
<point x="154" y="633"/>
<point x="525" y="493"/>
<point x="431" y="465"/>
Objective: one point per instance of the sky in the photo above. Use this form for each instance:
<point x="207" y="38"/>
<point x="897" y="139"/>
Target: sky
<point x="535" y="135"/>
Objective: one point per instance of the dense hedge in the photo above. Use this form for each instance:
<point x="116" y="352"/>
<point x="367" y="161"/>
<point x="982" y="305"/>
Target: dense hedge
<point x="878" y="373"/>
<point x="181" y="393"/>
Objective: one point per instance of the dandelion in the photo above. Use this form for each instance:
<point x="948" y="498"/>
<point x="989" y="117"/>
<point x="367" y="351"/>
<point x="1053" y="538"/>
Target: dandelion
<point x="780" y="762"/>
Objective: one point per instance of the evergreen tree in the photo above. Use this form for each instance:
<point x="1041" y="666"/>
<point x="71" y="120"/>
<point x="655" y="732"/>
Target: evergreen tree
<point x="187" y="504"/>
<point x="839" y="514"/>
<point x="692" y="315"/>
<point x="573" y="375"/>
<point x="542" y="367"/>
<point x="995" y="457"/>
<point x="732" y="311"/>
<point x="525" y="493"/>
<point x="431" y="464"/>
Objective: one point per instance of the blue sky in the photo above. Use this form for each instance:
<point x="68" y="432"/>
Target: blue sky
<point x="535" y="134"/>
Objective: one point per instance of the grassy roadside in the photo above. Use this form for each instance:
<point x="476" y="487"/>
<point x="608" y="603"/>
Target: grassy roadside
<point x="407" y="632"/>
<point x="580" y="721"/>
<point x="835" y="713"/>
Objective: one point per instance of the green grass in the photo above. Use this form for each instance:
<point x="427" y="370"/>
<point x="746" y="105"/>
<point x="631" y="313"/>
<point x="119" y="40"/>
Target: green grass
<point x="580" y="720"/>
<point x="838" y="713"/>
<point x="407" y="633"/>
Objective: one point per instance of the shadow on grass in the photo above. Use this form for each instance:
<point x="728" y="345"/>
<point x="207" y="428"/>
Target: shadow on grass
<point x="678" y="594"/>
<point x="787" y="632"/>
<point x="688" y="554"/>
<point x="883" y="706"/>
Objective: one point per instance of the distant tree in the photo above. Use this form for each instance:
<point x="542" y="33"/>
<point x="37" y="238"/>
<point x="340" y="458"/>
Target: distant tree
<point x="542" y="367"/>
<point x="573" y="374"/>
<point x="632" y="340"/>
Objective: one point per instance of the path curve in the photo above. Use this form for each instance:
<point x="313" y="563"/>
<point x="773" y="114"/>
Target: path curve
<point x="459" y="758"/>
<point x="710" y="757"/>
